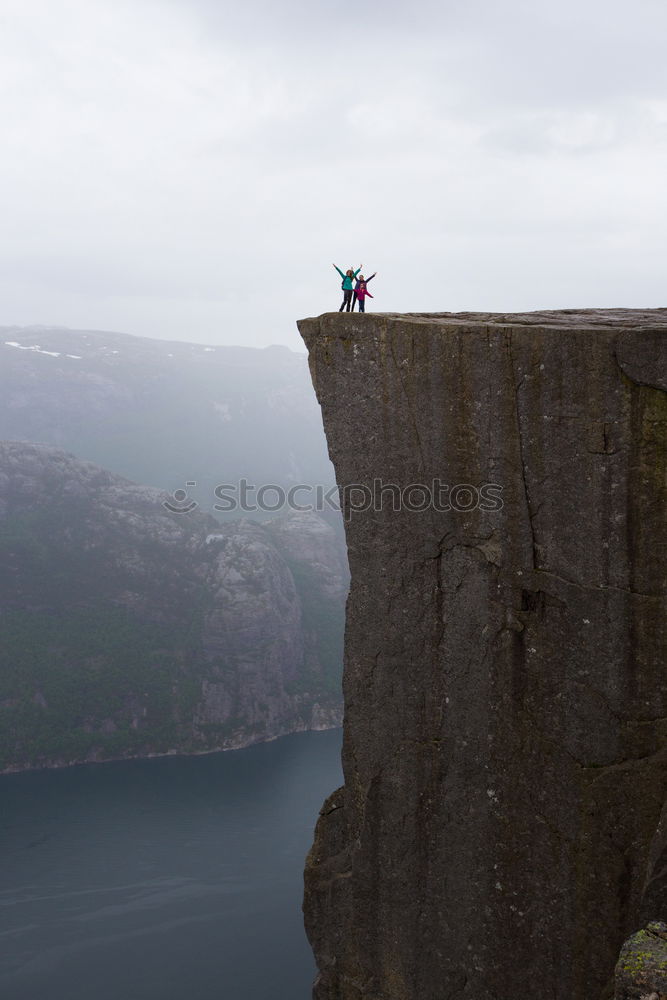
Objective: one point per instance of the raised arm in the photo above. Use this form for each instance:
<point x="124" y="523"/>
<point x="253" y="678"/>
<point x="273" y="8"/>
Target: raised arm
<point x="358" y="269"/>
<point x="339" y="271"/>
<point x="371" y="277"/>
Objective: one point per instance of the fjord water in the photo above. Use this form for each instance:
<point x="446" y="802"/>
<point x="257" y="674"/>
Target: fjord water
<point x="176" y="878"/>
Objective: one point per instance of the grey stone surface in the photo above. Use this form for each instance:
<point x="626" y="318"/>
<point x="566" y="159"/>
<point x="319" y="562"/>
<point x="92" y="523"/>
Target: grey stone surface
<point x="505" y="753"/>
<point x="641" y="971"/>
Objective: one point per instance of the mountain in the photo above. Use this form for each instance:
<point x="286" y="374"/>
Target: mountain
<point x="131" y="630"/>
<point x="162" y="412"/>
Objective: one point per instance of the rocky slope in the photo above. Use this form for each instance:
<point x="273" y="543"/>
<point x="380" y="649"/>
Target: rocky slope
<point x="127" y="629"/>
<point x="505" y="690"/>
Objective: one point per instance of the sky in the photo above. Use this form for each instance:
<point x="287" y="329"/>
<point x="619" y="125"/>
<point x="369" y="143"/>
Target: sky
<point x="190" y="169"/>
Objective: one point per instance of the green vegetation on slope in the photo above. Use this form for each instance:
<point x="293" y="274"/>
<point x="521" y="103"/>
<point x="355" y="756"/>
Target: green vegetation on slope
<point x="98" y="681"/>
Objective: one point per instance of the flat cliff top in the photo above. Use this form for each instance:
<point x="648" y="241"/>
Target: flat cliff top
<point x="570" y="318"/>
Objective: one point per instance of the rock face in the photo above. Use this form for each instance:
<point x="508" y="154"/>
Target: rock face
<point x="505" y="693"/>
<point x="126" y="629"/>
<point x="641" y="972"/>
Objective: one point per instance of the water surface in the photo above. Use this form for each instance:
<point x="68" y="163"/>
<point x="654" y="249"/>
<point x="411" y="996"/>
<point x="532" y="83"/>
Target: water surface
<point x="177" y="878"/>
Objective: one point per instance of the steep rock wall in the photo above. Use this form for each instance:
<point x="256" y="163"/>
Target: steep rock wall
<point x="505" y="754"/>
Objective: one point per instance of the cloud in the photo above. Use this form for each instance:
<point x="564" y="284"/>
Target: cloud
<point x="190" y="169"/>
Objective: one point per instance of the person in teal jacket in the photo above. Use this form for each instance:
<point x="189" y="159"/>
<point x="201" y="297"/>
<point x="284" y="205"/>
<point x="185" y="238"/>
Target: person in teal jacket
<point x="347" y="286"/>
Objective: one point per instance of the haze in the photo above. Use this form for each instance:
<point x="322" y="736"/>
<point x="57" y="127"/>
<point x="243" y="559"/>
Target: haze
<point x="190" y="170"/>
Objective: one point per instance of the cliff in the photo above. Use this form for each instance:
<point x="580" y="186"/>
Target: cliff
<point x="505" y="699"/>
<point x="129" y="630"/>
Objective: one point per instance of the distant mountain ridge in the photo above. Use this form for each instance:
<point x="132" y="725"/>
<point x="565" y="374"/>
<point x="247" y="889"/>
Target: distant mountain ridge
<point x="164" y="412"/>
<point x="127" y="629"/>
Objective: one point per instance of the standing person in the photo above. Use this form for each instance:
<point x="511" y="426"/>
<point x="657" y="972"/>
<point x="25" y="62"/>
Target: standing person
<point x="361" y="291"/>
<point x="347" y="286"/>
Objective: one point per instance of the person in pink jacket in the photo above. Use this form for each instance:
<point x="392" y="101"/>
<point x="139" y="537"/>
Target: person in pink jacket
<point x="361" y="291"/>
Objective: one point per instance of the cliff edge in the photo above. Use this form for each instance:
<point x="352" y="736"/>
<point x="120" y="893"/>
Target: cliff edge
<point x="505" y="749"/>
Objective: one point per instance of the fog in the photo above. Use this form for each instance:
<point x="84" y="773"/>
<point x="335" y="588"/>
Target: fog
<point x="190" y="170"/>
